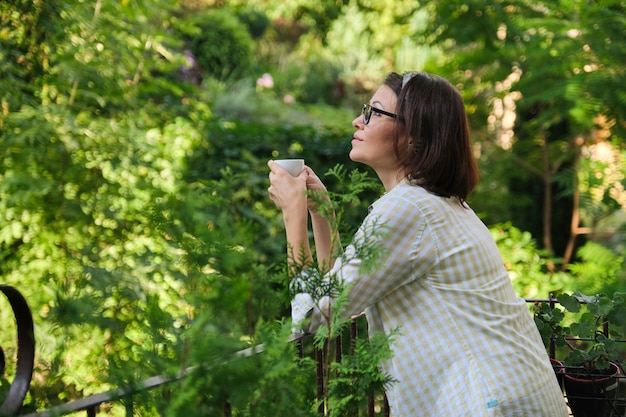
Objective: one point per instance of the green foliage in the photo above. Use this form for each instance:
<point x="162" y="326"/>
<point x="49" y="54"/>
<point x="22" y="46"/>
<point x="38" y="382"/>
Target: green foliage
<point x="274" y="380"/>
<point x="375" y="38"/>
<point x="599" y="269"/>
<point x="317" y="81"/>
<point x="548" y="69"/>
<point x="357" y="377"/>
<point x="348" y="191"/>
<point x="603" y="196"/>
<point x="590" y="347"/>
<point x="266" y="379"/>
<point x="256" y="21"/>
<point x="337" y="52"/>
<point x="220" y="43"/>
<point x="80" y="245"/>
<point x="348" y="384"/>
<point x="315" y="15"/>
<point x="527" y="265"/>
<point x="82" y="167"/>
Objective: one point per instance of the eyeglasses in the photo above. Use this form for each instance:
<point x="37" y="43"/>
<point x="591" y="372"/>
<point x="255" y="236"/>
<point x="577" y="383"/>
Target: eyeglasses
<point x="368" y="110"/>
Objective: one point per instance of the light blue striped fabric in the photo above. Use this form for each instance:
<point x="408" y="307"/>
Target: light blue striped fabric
<point x="467" y="344"/>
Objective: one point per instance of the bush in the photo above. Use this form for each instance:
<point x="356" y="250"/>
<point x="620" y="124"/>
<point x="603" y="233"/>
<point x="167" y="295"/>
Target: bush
<point x="256" y="21"/>
<point x="220" y="43"/>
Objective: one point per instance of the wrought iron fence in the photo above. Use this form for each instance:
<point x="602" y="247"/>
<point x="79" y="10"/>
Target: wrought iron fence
<point x="25" y="352"/>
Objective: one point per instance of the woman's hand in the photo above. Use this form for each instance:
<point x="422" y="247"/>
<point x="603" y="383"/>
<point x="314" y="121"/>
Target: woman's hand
<point x="314" y="184"/>
<point x="286" y="191"/>
<point x="289" y="195"/>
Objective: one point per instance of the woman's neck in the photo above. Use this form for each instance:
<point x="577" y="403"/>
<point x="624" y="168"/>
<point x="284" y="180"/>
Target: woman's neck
<point x="390" y="179"/>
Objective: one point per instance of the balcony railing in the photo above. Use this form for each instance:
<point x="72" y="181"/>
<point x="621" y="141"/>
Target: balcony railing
<point x="25" y="352"/>
<point x="342" y="346"/>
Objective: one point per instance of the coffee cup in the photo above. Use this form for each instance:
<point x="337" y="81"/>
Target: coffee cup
<point x="293" y="166"/>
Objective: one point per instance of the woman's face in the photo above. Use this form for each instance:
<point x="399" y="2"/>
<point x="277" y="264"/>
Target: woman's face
<point x="373" y="142"/>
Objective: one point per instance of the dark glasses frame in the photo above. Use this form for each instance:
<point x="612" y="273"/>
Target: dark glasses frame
<point x="369" y="109"/>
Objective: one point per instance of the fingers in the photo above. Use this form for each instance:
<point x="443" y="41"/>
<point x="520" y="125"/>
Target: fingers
<point x="285" y="190"/>
<point x="304" y="174"/>
<point x="313" y="182"/>
<point x="273" y="166"/>
<point x="310" y="171"/>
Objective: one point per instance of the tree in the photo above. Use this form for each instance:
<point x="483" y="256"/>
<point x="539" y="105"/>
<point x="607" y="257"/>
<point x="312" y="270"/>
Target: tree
<point x="90" y="143"/>
<point x="553" y="69"/>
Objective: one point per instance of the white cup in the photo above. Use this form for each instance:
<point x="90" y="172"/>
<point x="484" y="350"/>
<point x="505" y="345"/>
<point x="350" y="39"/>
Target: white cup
<point x="293" y="166"/>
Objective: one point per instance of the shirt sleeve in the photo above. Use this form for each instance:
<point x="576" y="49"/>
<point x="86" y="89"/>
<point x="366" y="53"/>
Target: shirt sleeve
<point x="302" y="307"/>
<point x="389" y="250"/>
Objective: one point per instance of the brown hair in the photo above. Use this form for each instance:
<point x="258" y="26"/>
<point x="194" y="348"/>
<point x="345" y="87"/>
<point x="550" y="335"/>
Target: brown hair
<point x="438" y="155"/>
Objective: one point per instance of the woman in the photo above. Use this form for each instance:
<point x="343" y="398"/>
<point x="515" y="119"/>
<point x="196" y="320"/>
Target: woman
<point x="467" y="344"/>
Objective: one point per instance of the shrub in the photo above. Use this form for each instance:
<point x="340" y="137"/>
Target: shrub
<point x="256" y="21"/>
<point x="220" y="43"/>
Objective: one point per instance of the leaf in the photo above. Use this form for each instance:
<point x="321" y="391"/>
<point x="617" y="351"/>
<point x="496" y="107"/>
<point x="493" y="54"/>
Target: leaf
<point x="582" y="298"/>
<point x="586" y="327"/>
<point x="575" y="358"/>
<point x="603" y="306"/>
<point x="571" y="303"/>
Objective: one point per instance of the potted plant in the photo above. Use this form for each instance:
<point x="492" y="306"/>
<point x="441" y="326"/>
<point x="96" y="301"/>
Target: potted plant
<point x="592" y="339"/>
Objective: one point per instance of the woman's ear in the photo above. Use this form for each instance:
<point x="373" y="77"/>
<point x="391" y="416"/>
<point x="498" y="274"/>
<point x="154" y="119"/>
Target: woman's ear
<point x="412" y="145"/>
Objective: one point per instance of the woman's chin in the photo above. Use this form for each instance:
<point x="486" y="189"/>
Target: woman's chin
<point x="354" y="156"/>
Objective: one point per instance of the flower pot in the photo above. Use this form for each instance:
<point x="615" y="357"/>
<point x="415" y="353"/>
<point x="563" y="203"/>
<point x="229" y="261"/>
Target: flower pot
<point x="592" y="395"/>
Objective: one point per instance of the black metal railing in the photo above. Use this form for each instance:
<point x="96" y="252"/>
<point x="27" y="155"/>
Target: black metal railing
<point x="25" y="352"/>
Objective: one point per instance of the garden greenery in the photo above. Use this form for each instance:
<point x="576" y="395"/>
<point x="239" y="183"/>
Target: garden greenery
<point x="134" y="214"/>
